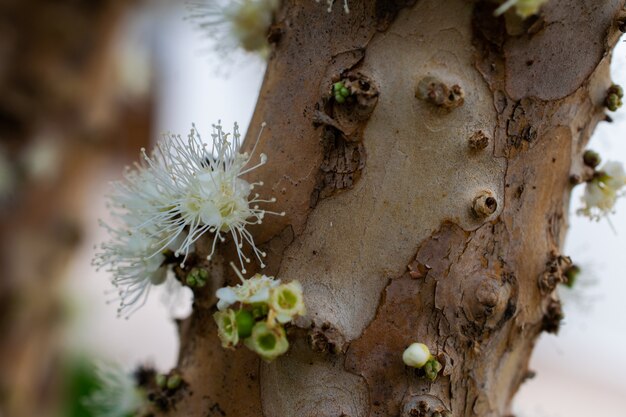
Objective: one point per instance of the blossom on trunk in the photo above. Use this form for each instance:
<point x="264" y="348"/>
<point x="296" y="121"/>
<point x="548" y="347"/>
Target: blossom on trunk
<point x="183" y="190"/>
<point x="134" y="254"/>
<point x="211" y="194"/>
<point x="603" y="190"/>
<point x="236" y="23"/>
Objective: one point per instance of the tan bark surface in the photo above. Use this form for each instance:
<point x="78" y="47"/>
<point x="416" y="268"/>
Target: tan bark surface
<point x="411" y="217"/>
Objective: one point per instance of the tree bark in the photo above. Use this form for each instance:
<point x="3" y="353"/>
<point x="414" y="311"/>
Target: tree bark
<point x="432" y="210"/>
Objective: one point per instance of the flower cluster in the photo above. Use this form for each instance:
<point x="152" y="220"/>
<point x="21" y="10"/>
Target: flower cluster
<point x="236" y="23"/>
<point x="603" y="190"/>
<point x="524" y="8"/>
<point x="332" y="2"/>
<point x="182" y="191"/>
<point x="117" y="394"/>
<point x="418" y="356"/>
<point x="264" y="306"/>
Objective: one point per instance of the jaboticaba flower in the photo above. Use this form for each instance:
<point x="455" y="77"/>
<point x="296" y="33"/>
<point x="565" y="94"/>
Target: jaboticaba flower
<point x="211" y="195"/>
<point x="416" y="355"/>
<point x="331" y="2"/>
<point x="134" y="252"/>
<point x="227" y="328"/>
<point x="524" y="8"/>
<point x="603" y="190"/>
<point x="131" y="259"/>
<point x="286" y="302"/>
<point x="268" y="342"/>
<point x="233" y="23"/>
<point x="117" y="394"/>
<point x="264" y="306"/>
<point x="250" y="291"/>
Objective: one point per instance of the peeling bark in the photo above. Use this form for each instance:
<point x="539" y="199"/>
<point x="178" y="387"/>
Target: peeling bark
<point x="452" y="213"/>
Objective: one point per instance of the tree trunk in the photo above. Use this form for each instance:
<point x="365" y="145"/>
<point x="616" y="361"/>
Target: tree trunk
<point x="432" y="210"/>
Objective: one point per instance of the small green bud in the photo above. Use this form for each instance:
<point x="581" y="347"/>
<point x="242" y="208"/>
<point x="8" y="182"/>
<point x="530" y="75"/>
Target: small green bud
<point x="174" y="381"/>
<point x="197" y="277"/>
<point x="339" y="98"/>
<point x="344" y="92"/>
<point x="245" y="323"/>
<point x="613" y="102"/>
<point x="160" y="380"/>
<point x="432" y="369"/>
<point x="572" y="274"/>
<point x="591" y="158"/>
<point x="337" y="86"/>
<point x="617" y="90"/>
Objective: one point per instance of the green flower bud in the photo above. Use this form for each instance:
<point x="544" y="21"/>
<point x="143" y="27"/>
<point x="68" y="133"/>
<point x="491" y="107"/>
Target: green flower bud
<point x="191" y="280"/>
<point x="344" y="92"/>
<point x="432" y="369"/>
<point x="197" y="277"/>
<point x="591" y="158"/>
<point x="160" y="380"/>
<point x="174" y="381"/>
<point x="339" y="98"/>
<point x="245" y="323"/>
<point x="268" y="343"/>
<point x="617" y="90"/>
<point x="613" y="102"/>
<point x="227" y="327"/>
<point x="337" y="86"/>
<point x="572" y="274"/>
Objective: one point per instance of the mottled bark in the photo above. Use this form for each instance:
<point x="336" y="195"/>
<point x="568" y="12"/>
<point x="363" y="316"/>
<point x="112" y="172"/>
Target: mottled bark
<point x="433" y="209"/>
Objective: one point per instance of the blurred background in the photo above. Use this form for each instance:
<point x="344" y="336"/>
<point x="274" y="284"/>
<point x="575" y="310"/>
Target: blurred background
<point x="83" y="86"/>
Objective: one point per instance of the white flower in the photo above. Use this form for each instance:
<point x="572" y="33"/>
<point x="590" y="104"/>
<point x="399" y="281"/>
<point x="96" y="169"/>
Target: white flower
<point x="331" y="2"/>
<point x="524" y="8"/>
<point x="177" y="194"/>
<point x="134" y="253"/>
<point x="117" y="395"/>
<point x="236" y="23"/>
<point x="250" y="291"/>
<point x="286" y="302"/>
<point x="130" y="258"/>
<point x="210" y="195"/>
<point x="176" y="297"/>
<point x="602" y="192"/>
<point x="416" y="355"/>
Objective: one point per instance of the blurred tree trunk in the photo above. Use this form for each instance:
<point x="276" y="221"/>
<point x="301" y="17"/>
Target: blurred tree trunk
<point x="60" y="119"/>
<point x="432" y="209"/>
